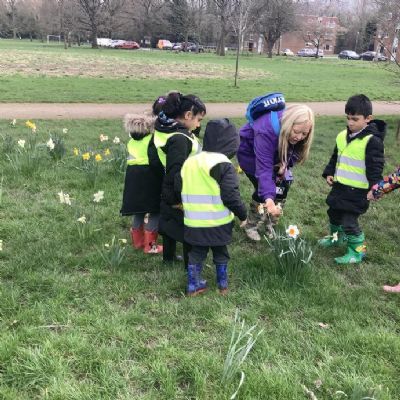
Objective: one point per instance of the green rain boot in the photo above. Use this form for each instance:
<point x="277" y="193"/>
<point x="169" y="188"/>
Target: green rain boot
<point x="356" y="250"/>
<point x="336" y="238"/>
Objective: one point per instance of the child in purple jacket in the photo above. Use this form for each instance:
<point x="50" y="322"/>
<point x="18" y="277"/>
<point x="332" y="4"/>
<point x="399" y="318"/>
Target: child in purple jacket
<point x="267" y="157"/>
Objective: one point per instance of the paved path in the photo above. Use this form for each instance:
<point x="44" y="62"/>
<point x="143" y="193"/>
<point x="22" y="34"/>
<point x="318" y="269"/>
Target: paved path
<point x="214" y="110"/>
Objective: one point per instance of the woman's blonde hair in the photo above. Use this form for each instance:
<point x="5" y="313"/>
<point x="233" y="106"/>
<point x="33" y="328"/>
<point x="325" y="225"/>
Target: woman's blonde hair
<point x="141" y="125"/>
<point x="295" y="114"/>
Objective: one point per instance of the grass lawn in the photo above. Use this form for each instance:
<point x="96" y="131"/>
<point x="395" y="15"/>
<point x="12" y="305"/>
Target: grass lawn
<point x="72" y="327"/>
<point x="36" y="72"/>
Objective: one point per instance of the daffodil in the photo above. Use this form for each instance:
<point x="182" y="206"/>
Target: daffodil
<point x="64" y="198"/>
<point x="292" y="231"/>
<point x="86" y="156"/>
<point x="75" y="151"/>
<point x="116" y="140"/>
<point x="103" y="138"/>
<point x="82" y="219"/>
<point x="97" y="197"/>
<point x="335" y="237"/>
<point x="31" y="125"/>
<point x="21" y="143"/>
<point x="1" y="245"/>
<point x="65" y="131"/>
<point x="123" y="241"/>
<point x="50" y="144"/>
<point x="107" y="152"/>
<point x="98" y="157"/>
<point x="13" y="123"/>
<point x="106" y="245"/>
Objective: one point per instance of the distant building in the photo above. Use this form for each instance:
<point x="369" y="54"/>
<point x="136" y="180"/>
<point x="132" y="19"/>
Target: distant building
<point x="387" y="38"/>
<point x="327" y="28"/>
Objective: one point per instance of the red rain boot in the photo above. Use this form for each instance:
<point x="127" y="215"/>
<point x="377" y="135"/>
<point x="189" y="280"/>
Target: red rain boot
<point x="137" y="236"/>
<point x="150" y="243"/>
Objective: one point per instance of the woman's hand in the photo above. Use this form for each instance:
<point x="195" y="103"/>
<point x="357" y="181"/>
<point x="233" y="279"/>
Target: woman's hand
<point x="272" y="209"/>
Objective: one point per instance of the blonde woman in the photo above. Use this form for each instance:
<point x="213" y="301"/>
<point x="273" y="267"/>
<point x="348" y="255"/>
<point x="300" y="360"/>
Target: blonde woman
<point x="269" y="148"/>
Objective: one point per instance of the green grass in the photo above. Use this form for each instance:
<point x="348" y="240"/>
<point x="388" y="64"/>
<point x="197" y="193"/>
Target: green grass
<point x="140" y="76"/>
<point x="72" y="328"/>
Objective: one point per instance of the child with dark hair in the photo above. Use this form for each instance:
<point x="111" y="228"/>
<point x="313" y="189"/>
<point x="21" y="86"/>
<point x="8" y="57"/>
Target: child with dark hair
<point x="211" y="199"/>
<point x="173" y="143"/>
<point x="355" y="166"/>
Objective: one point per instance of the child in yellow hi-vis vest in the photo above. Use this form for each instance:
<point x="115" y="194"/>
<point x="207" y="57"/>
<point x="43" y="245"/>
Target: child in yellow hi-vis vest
<point x="142" y="189"/>
<point x="211" y="199"/>
<point x="355" y="166"/>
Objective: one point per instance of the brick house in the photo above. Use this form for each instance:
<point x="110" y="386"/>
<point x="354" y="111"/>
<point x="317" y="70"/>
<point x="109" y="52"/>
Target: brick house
<point x="313" y="28"/>
<point x="388" y="38"/>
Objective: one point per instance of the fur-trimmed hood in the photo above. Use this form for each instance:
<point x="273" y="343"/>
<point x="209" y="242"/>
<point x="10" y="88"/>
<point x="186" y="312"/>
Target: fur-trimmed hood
<point x="138" y="125"/>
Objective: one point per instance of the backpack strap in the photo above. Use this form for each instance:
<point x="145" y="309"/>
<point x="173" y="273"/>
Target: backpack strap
<point x="276" y="125"/>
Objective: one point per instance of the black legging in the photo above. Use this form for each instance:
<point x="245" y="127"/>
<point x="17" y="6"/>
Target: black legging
<point x="169" y="250"/>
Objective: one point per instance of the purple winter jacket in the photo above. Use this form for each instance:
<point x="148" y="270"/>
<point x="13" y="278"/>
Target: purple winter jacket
<point x="258" y="154"/>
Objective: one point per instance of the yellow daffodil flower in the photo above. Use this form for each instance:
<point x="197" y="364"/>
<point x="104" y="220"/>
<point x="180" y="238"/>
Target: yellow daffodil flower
<point x="86" y="156"/>
<point x="98" y="157"/>
<point x="75" y="151"/>
<point x="107" y="152"/>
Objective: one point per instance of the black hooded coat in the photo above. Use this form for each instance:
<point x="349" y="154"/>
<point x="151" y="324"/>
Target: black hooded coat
<point x="348" y="198"/>
<point x="177" y="150"/>
<point x="220" y="137"/>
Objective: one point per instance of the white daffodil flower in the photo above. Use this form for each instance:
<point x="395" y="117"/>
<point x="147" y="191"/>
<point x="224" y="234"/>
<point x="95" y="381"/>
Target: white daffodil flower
<point x="13" y="122"/>
<point x="116" y="140"/>
<point x="64" y="198"/>
<point x="1" y="245"/>
<point x="65" y="130"/>
<point x="103" y="138"/>
<point x="292" y="231"/>
<point x="82" y="219"/>
<point x="335" y="237"/>
<point x="21" y="143"/>
<point x="106" y="245"/>
<point x="97" y="197"/>
<point x="50" y="144"/>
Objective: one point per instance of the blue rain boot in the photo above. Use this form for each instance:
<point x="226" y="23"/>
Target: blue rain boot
<point x="222" y="278"/>
<point x="202" y="282"/>
<point x="194" y="286"/>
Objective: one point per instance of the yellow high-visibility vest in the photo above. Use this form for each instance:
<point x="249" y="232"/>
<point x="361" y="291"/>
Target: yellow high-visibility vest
<point x="160" y="140"/>
<point x="137" y="151"/>
<point x="350" y="165"/>
<point x="201" y="194"/>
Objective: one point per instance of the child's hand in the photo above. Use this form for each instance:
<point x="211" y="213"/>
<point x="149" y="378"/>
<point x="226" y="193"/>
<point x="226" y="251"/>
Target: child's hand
<point x="243" y="223"/>
<point x="329" y="180"/>
<point x="370" y="196"/>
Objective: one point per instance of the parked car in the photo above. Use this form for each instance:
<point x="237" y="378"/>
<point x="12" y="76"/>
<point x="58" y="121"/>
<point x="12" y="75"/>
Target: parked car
<point x="192" y="47"/>
<point x="310" y="53"/>
<point x="129" y="45"/>
<point x="164" y="44"/>
<point x="349" y="55"/>
<point x="104" y="42"/>
<point x="287" y="52"/>
<point x="177" y="46"/>
<point x="372" y="55"/>
<point x="115" y="43"/>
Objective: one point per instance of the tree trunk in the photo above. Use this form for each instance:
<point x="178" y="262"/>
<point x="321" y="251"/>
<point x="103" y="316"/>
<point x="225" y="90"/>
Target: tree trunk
<point x="237" y="59"/>
<point x="221" y="41"/>
<point x="94" y="37"/>
<point x="398" y="133"/>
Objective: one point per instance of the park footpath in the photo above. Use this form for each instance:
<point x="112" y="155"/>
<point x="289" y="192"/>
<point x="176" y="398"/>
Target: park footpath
<point x="110" y="111"/>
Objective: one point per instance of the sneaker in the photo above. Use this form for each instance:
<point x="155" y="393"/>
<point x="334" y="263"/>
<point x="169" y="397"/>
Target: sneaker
<point x="392" y="289"/>
<point x="253" y="234"/>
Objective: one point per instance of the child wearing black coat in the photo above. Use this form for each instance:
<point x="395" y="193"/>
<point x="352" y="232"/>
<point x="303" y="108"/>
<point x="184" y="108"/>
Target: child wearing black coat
<point x="211" y="199"/>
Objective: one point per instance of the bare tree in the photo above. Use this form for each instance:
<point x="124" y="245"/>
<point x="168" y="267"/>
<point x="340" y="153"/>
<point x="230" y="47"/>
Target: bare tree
<point x="316" y="32"/>
<point x="224" y="10"/>
<point x="93" y="16"/>
<point x="12" y="9"/>
<point x="242" y="19"/>
<point x="277" y="18"/>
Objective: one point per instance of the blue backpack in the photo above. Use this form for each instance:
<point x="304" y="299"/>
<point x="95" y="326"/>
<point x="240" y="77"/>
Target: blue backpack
<point x="267" y="103"/>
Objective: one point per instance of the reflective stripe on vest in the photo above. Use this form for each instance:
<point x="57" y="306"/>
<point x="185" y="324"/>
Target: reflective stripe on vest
<point x="201" y="194"/>
<point x="160" y="140"/>
<point x="350" y="165"/>
<point x="137" y="151"/>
